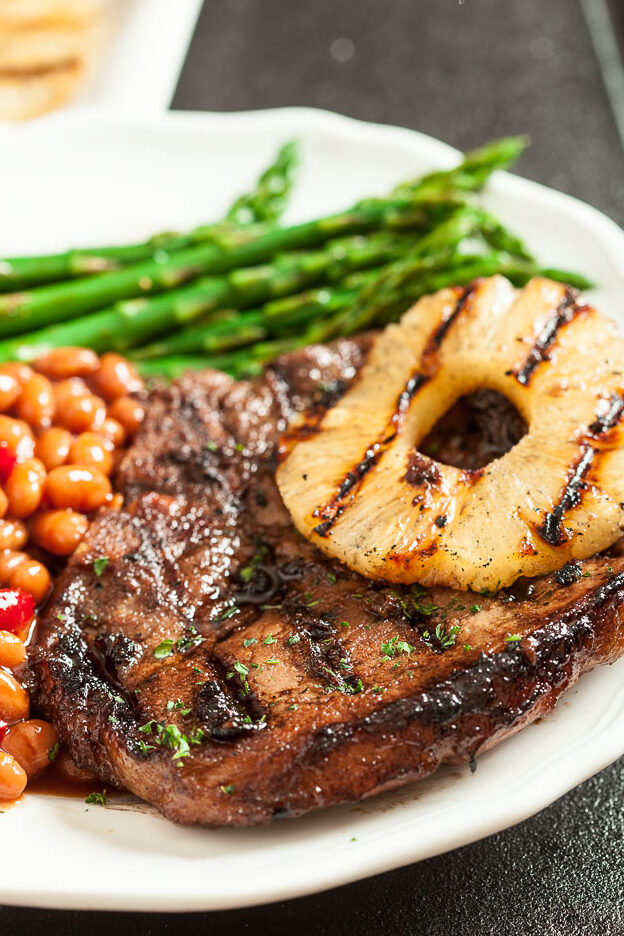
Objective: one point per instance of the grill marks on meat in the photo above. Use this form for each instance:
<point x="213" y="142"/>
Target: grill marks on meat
<point x="294" y="683"/>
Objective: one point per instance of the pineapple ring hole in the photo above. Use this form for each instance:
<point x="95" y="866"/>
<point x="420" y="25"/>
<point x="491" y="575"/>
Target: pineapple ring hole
<point x="478" y="428"/>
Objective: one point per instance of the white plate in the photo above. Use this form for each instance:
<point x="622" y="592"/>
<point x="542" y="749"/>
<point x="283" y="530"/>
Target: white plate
<point x="69" y="181"/>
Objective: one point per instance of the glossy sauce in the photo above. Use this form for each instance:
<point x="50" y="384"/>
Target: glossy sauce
<point x="52" y="782"/>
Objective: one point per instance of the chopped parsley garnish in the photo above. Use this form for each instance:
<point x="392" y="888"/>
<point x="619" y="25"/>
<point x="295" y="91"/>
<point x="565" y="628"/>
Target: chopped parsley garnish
<point x="164" y="649"/>
<point x="229" y="613"/>
<point x="422" y="607"/>
<point x="377" y="689"/>
<point x="227" y="788"/>
<point x="248" y="641"/>
<point x="190" y="640"/>
<point x="98" y="799"/>
<point x="512" y="638"/>
<point x="417" y="593"/>
<point x="212" y="446"/>
<point x="169" y="736"/>
<point x="293" y="639"/>
<point x="243" y="672"/>
<point x="444" y="638"/>
<point x="272" y="662"/>
<point x="474" y="609"/>
<point x="100" y="564"/>
<point x="196" y="736"/>
<point x="490" y="592"/>
<point x="345" y="624"/>
<point x="179" y="705"/>
<point x="269" y="639"/>
<point x="346" y="688"/>
<point x="53" y="753"/>
<point x="467" y="647"/>
<point x="395" y="646"/>
<point x="331" y="578"/>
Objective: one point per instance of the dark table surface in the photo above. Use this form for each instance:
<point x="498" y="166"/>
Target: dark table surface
<point x="463" y="71"/>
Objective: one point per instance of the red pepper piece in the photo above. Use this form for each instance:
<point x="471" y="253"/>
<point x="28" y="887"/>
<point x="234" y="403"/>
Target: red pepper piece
<point x="3" y="730"/>
<point x="16" y="609"/>
<point x="7" y="463"/>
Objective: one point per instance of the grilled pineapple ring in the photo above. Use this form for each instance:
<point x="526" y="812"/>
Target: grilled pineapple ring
<point x="357" y="487"/>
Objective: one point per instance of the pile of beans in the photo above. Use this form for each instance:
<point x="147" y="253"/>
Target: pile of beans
<point x="64" y="422"/>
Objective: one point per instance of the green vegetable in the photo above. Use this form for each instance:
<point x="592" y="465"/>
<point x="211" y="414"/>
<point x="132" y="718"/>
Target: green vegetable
<point x="47" y="305"/>
<point x="265" y="204"/>
<point x="100" y="564"/>
<point x="98" y="799"/>
<point x="164" y="649"/>
<point x="273" y="187"/>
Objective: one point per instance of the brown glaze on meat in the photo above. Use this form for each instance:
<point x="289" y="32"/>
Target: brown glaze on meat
<point x="294" y="683"/>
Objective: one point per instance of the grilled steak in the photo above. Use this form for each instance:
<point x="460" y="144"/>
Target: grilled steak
<point x="217" y="665"/>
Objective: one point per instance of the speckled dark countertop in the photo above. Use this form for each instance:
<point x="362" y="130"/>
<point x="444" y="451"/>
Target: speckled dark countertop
<point x="464" y="72"/>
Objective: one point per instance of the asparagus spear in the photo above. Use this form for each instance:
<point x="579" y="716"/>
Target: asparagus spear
<point x="20" y="312"/>
<point x="407" y="280"/>
<point x="25" y="272"/>
<point x="473" y="171"/>
<point x="265" y="204"/>
<point x="268" y="201"/>
<point x="383" y="302"/>
<point x="127" y="324"/>
<point x="438" y="246"/>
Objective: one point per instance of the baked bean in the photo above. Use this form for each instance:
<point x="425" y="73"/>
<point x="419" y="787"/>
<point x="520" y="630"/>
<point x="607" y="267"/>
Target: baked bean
<point x="24" y="487"/>
<point x="117" y="377"/>
<point x="58" y="531"/>
<point x="13" y="779"/>
<point x="17" y="436"/>
<point x="66" y="768"/>
<point x="36" y="404"/>
<point x="20" y="372"/>
<point x="10" y="390"/>
<point x="81" y="413"/>
<point x="77" y="487"/>
<point x="53" y="446"/>
<point x="60" y="363"/>
<point x="32" y="577"/>
<point x="12" y="650"/>
<point x="13" y="534"/>
<point x="30" y="742"/>
<point x="14" y="701"/>
<point x="113" y="430"/>
<point x="9" y="561"/>
<point x="94" y="450"/>
<point x="130" y="413"/>
<point x="66" y="390"/>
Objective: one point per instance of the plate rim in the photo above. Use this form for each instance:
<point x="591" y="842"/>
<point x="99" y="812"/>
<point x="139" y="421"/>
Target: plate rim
<point x="362" y="862"/>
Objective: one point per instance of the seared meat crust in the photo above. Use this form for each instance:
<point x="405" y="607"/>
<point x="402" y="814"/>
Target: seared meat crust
<point x="223" y="669"/>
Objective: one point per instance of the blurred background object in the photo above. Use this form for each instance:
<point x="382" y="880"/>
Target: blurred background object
<point x="47" y="47"/>
<point x="117" y="54"/>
